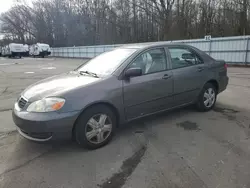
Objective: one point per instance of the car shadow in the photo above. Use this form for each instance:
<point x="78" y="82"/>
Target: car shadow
<point x="138" y="126"/>
<point x="135" y="127"/>
<point x="124" y="131"/>
<point x="129" y="138"/>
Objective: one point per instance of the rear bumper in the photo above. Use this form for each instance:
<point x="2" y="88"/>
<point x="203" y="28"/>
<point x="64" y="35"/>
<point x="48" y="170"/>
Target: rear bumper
<point x="44" y="53"/>
<point x="25" y="54"/>
<point x="223" y="82"/>
<point x="43" y="127"/>
<point x="16" y="54"/>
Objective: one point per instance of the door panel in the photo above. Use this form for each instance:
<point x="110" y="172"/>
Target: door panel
<point x="189" y="74"/>
<point x="148" y="94"/>
<point x="153" y="90"/>
<point x="188" y="82"/>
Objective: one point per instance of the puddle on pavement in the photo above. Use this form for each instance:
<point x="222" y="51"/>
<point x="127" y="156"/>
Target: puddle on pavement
<point x="188" y="125"/>
<point x="128" y="166"/>
<point x="138" y="131"/>
<point x="225" y="110"/>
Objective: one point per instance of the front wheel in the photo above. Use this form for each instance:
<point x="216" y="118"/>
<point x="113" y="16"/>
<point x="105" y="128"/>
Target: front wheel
<point x="207" y="98"/>
<point x="95" y="127"/>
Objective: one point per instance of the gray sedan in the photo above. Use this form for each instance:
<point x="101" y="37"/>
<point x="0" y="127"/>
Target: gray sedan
<point x="116" y="87"/>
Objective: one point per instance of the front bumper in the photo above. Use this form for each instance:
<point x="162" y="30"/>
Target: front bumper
<point x="30" y="136"/>
<point x="43" y="127"/>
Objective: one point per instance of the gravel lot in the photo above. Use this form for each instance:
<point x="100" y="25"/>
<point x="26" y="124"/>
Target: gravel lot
<point x="183" y="148"/>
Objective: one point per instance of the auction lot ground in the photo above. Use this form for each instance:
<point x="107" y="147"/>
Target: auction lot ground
<point x="183" y="148"/>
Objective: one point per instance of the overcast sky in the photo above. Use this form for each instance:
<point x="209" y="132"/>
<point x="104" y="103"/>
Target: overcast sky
<point x="6" y="4"/>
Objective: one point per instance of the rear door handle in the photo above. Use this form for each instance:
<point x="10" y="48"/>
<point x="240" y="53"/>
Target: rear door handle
<point x="200" y="69"/>
<point x="166" y="76"/>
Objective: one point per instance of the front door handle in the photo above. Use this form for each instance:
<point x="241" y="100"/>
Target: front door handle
<point x="200" y="69"/>
<point x="166" y="76"/>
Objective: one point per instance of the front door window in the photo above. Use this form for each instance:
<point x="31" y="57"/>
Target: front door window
<point x="151" y="61"/>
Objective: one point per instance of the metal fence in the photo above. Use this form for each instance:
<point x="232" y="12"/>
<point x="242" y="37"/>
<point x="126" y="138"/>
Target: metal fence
<point x="231" y="49"/>
<point x="81" y="51"/>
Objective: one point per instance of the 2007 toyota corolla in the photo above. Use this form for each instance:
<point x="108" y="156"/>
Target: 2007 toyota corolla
<point x="116" y="87"/>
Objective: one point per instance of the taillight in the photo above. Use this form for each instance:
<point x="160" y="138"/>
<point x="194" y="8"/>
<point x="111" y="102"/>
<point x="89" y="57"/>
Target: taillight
<point x="225" y="65"/>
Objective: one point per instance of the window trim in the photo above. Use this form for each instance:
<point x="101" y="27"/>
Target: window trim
<point x="149" y="49"/>
<point x="185" y="48"/>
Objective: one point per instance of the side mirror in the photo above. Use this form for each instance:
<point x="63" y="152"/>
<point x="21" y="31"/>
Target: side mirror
<point x="187" y="56"/>
<point x="133" y="72"/>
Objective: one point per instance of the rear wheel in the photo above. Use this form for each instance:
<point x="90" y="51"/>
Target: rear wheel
<point x="207" y="98"/>
<point x="95" y="127"/>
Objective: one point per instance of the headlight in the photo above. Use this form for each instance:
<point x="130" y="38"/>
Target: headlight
<point x="46" y="105"/>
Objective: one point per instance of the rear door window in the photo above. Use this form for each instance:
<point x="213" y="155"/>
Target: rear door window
<point x="182" y="57"/>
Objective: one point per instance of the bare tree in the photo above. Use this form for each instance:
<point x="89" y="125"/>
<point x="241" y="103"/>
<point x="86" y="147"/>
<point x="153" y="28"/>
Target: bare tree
<point x="91" y="22"/>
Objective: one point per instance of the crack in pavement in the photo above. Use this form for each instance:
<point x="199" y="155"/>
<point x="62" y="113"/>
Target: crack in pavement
<point x="229" y="114"/>
<point x="7" y="133"/>
<point x="2" y="71"/>
<point x="224" y="110"/>
<point x="240" y="85"/>
<point x="6" y="88"/>
<point x="5" y="109"/>
<point x="25" y="163"/>
<point x="118" y="179"/>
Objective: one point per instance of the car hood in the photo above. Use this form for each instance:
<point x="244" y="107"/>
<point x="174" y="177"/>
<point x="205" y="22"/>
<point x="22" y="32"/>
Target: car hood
<point x="56" y="85"/>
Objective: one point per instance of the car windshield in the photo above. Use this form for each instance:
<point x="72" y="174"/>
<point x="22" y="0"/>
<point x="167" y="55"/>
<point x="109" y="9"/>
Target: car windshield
<point x="107" y="62"/>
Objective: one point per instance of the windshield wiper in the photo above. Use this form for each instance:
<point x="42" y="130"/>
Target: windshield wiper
<point x="89" y="73"/>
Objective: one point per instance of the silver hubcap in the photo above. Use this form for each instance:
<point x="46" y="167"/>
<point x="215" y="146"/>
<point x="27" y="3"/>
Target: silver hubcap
<point x="209" y="97"/>
<point x="98" y="128"/>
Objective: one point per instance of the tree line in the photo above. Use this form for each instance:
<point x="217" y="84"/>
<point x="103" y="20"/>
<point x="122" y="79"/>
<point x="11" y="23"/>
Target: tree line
<point x="91" y="22"/>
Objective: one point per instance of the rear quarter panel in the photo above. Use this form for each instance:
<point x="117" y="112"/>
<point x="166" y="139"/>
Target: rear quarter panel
<point x="215" y="70"/>
<point x="221" y="74"/>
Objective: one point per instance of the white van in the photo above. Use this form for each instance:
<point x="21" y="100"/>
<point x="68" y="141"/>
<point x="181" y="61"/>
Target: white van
<point x="40" y="49"/>
<point x="26" y="50"/>
<point x="13" y="50"/>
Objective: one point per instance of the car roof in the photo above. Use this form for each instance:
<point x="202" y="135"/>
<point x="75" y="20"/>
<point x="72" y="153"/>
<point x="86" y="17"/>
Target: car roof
<point x="151" y="44"/>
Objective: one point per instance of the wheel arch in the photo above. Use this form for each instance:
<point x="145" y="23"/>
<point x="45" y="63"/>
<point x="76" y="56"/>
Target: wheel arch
<point x="105" y="103"/>
<point x="214" y="83"/>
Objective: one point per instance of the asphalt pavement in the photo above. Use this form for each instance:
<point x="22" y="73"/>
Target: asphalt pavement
<point x="179" y="149"/>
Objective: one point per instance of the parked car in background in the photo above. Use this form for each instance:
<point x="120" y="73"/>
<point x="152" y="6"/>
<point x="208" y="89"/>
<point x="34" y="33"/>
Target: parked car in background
<point x="40" y="50"/>
<point x="13" y="50"/>
<point x="116" y="87"/>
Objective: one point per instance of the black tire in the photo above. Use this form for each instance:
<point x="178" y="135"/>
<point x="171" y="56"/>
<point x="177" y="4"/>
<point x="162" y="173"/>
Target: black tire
<point x="81" y="123"/>
<point x="200" y="102"/>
